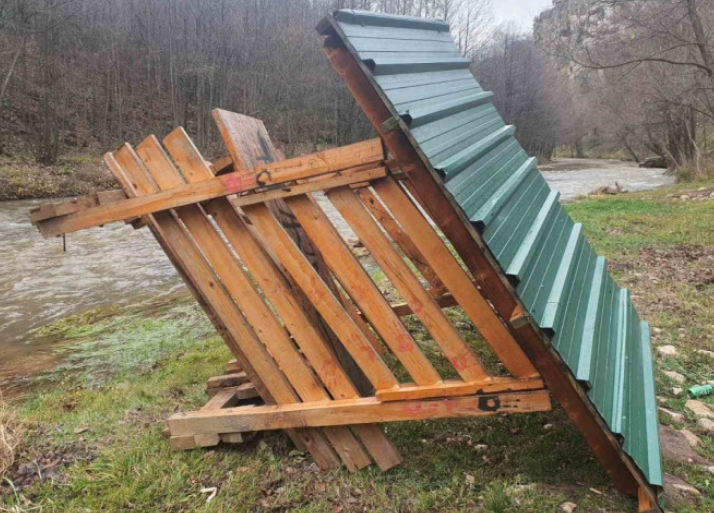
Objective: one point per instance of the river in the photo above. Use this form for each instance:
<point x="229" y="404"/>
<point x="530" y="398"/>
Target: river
<point x="117" y="265"/>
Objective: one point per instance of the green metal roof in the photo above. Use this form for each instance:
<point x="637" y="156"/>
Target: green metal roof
<point x="563" y="283"/>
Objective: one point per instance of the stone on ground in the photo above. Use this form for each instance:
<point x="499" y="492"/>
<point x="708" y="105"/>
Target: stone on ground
<point x="680" y="492"/>
<point x="706" y="425"/>
<point x="569" y="507"/>
<point x="676" y="447"/>
<point x="675" y="376"/>
<point x="677" y="391"/>
<point x="699" y="409"/>
<point x="668" y="350"/>
<point x="704" y="352"/>
<point x="693" y="439"/>
<point x="677" y="417"/>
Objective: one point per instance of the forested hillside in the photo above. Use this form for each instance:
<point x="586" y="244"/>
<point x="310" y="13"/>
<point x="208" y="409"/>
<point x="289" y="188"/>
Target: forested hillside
<point x="631" y="78"/>
<point x="79" y="73"/>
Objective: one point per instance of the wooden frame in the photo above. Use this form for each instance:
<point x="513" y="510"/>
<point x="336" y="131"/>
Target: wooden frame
<point x="286" y="319"/>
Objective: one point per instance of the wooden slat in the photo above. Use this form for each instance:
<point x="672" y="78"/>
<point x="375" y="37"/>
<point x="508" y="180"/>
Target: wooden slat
<point x="320" y="295"/>
<point x="329" y="161"/>
<point x="454" y="277"/>
<point x="237" y="283"/>
<point x="356" y="411"/>
<point x="460" y="388"/>
<point x="73" y="205"/>
<point x="186" y="155"/>
<point x="273" y="389"/>
<point x="402" y="239"/>
<point x="310" y="340"/>
<point x="360" y="287"/>
<point x="455" y="349"/>
<point x="253" y="147"/>
<point x="445" y="301"/>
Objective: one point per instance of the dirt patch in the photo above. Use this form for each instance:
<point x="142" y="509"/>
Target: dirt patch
<point x="38" y="464"/>
<point x="686" y="263"/>
<point x="675" y="447"/>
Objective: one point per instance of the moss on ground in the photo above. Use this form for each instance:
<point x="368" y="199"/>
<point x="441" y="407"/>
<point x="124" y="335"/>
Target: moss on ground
<point x="103" y="418"/>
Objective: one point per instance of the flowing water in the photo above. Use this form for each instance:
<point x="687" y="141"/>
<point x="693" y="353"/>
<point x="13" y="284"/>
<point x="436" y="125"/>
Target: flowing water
<point x="116" y="265"/>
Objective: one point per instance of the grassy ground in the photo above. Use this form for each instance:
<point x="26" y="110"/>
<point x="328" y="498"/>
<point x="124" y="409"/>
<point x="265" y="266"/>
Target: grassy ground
<point x="94" y="431"/>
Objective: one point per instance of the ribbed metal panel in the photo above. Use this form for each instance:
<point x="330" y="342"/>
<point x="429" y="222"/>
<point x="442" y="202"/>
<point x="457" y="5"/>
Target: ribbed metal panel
<point x="558" y="276"/>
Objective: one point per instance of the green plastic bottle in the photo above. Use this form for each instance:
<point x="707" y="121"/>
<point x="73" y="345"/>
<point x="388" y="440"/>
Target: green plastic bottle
<point x="700" y="391"/>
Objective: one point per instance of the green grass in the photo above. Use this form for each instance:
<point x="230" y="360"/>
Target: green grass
<point x="131" y="369"/>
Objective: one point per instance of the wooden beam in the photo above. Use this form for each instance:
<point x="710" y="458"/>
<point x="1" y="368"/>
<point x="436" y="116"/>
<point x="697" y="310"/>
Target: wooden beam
<point x="456" y="280"/>
<point x="460" y="388"/>
<point x="459" y="354"/>
<point x="264" y="322"/>
<point x="354" y="411"/>
<point x="241" y="338"/>
<point x="326" y="162"/>
<point x="362" y="289"/>
<point x="329" y="307"/>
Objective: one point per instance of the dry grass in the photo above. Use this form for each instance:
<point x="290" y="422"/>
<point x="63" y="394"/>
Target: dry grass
<point x="11" y="432"/>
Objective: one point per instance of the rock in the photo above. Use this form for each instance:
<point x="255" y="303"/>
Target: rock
<point x="661" y="400"/>
<point x="684" y="197"/>
<point x="711" y="195"/>
<point x="706" y="425"/>
<point x="676" y="447"/>
<point x="675" y="376"/>
<point x="693" y="439"/>
<point x="656" y="331"/>
<point x="548" y="427"/>
<point x="569" y="507"/>
<point x="680" y="492"/>
<point x="677" y="417"/>
<point x="668" y="350"/>
<point x="676" y="391"/>
<point x="81" y="430"/>
<point x="654" y="162"/>
<point x="704" y="352"/>
<point x="711" y="470"/>
<point x="699" y="409"/>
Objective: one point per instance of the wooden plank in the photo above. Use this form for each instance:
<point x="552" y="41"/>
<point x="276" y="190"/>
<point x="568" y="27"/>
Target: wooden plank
<point x="227" y="380"/>
<point x="224" y="398"/>
<point x="442" y="261"/>
<point x="231" y="438"/>
<point x="321" y="296"/>
<point x="233" y="130"/>
<point x="260" y="149"/>
<point x="306" y="335"/>
<point x="206" y="439"/>
<point x="360" y="287"/>
<point x="182" y="443"/>
<point x="402" y="239"/>
<point x="329" y="161"/>
<point x="233" y="367"/>
<point x="238" y="285"/>
<point x="191" y="260"/>
<point x="460" y="388"/>
<point x="356" y="411"/>
<point x="445" y="301"/>
<point x="455" y="349"/>
<point x="73" y="205"/>
<point x="430" y="192"/>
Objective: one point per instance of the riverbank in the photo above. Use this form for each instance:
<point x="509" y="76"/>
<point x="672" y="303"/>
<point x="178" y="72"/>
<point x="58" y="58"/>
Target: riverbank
<point x="93" y="429"/>
<point x="74" y="175"/>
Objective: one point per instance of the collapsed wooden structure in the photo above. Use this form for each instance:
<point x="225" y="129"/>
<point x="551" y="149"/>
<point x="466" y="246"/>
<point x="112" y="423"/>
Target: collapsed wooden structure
<point x="315" y="336"/>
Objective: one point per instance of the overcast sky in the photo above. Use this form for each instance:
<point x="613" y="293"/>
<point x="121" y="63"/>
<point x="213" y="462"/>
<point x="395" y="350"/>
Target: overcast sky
<point x="520" y="12"/>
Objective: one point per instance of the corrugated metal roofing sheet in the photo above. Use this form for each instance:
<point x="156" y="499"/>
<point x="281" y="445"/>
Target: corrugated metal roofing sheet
<point x="559" y="278"/>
